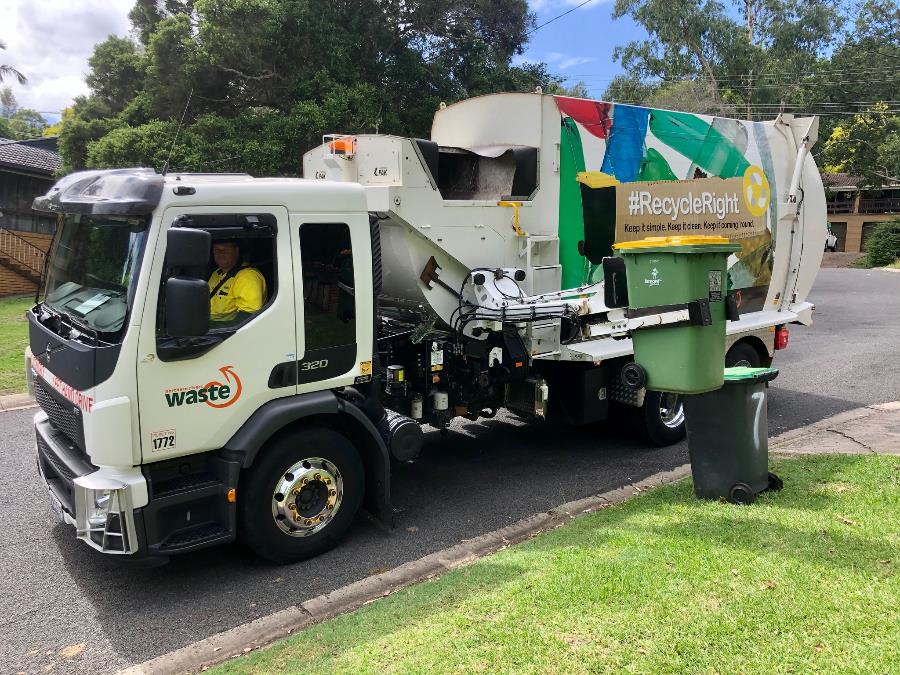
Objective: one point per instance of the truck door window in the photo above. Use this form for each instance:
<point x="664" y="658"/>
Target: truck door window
<point x="241" y="272"/>
<point x="329" y="302"/>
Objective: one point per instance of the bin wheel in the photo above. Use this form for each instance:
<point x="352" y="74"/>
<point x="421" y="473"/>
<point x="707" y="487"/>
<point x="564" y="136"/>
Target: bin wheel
<point x="775" y="483"/>
<point x="634" y="376"/>
<point x="741" y="493"/>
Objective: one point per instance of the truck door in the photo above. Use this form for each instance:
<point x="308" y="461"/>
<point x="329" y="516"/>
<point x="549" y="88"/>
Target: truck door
<point x="333" y="268"/>
<point x="195" y="393"/>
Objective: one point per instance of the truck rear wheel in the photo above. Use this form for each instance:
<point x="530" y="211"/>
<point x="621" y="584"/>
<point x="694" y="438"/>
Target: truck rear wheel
<point x="300" y="496"/>
<point x="742" y="354"/>
<point x="663" y="417"/>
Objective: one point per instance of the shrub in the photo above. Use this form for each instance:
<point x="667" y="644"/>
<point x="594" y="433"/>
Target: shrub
<point x="883" y="246"/>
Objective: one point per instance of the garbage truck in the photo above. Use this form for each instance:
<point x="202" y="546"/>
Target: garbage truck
<point x="408" y="282"/>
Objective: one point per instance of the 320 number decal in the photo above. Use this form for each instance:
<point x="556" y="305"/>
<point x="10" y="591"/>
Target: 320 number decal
<point x="314" y="365"/>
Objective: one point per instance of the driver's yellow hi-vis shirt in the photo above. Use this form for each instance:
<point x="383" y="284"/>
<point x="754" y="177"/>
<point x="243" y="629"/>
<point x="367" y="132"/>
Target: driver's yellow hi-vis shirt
<point x="244" y="292"/>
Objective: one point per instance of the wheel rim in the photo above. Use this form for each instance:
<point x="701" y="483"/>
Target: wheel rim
<point x="742" y="363"/>
<point x="307" y="496"/>
<point x="671" y="410"/>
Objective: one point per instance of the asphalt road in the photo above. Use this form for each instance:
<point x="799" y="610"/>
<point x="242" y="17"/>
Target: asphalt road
<point x="66" y="609"/>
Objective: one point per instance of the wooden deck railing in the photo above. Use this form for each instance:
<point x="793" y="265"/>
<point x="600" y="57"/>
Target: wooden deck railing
<point x="21" y="255"/>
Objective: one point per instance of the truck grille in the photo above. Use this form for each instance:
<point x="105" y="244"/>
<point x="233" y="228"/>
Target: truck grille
<point x="61" y="463"/>
<point x="64" y="417"/>
<point x="55" y="462"/>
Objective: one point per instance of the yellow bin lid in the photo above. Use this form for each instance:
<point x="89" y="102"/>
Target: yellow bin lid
<point x="664" y="242"/>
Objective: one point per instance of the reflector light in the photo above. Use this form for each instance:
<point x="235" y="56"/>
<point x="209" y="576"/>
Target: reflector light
<point x="782" y="335"/>
<point x="344" y="146"/>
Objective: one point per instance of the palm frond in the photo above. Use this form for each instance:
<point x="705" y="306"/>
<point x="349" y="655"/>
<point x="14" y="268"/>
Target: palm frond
<point x="6" y="71"/>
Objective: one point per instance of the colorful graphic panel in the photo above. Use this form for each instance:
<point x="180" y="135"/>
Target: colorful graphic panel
<point x="646" y="144"/>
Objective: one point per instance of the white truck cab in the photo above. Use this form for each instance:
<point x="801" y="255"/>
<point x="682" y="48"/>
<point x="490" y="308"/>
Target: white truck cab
<point x="150" y="412"/>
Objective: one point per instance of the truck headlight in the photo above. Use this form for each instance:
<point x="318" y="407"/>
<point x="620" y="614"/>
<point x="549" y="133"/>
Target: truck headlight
<point x="103" y="515"/>
<point x="99" y="508"/>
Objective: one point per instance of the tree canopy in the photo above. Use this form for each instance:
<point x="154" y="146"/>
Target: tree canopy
<point x="265" y="78"/>
<point x="868" y="145"/>
<point x="259" y="81"/>
<point x="16" y="122"/>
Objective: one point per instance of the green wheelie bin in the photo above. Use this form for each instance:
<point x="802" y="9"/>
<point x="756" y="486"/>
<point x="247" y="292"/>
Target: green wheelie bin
<point x="728" y="437"/>
<point x="670" y="273"/>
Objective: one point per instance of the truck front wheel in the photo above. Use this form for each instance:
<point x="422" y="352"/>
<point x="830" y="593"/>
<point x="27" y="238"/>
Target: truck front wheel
<point x="300" y="496"/>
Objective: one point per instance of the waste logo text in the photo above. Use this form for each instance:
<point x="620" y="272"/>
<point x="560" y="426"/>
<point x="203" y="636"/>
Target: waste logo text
<point x="215" y="394"/>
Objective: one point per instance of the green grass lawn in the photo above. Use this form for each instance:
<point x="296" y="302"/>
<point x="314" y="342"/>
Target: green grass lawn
<point x="803" y="581"/>
<point x="13" y="340"/>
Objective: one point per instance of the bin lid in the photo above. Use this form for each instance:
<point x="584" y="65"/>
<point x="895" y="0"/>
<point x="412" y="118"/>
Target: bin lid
<point x="745" y="375"/>
<point x="701" y="242"/>
<point x="596" y="179"/>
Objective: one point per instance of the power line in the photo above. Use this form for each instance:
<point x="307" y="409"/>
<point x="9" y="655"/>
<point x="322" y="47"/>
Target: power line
<point x="886" y="70"/>
<point x="787" y="77"/>
<point x="740" y="110"/>
<point x="890" y="105"/>
<point x="558" y="16"/>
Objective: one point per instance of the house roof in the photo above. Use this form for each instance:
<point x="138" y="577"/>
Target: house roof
<point x="841" y="180"/>
<point x="848" y="182"/>
<point x="27" y="157"/>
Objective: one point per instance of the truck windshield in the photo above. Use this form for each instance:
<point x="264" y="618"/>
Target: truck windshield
<point x="92" y="269"/>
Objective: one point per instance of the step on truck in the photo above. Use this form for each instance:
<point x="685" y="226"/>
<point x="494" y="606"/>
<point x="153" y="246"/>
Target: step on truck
<point x="408" y="282"/>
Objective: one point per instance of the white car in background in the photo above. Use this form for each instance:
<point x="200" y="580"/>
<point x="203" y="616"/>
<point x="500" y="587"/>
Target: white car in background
<point x="831" y="240"/>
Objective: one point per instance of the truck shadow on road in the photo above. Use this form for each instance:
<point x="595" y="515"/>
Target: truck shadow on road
<point x="482" y="476"/>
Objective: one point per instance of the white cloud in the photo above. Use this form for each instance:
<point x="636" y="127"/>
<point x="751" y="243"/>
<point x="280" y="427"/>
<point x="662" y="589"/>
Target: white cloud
<point x="50" y="41"/>
<point x="575" y="61"/>
<point x="563" y="61"/>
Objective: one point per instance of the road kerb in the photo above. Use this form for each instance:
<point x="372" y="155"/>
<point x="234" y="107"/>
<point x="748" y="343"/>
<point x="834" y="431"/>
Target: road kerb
<point x="10" y="402"/>
<point x="261" y="632"/>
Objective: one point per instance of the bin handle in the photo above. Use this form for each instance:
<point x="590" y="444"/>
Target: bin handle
<point x="698" y="310"/>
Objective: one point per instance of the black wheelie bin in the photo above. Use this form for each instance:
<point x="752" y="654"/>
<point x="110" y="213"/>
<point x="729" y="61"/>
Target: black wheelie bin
<point x="728" y="439"/>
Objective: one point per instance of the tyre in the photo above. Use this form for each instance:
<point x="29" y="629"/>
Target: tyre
<point x="300" y="496"/>
<point x="662" y="416"/>
<point x="741" y="493"/>
<point x="742" y="354"/>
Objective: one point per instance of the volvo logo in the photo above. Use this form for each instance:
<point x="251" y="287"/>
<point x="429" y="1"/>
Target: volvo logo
<point x="49" y="350"/>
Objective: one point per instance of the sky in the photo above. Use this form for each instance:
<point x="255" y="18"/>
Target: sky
<point x="50" y="42"/>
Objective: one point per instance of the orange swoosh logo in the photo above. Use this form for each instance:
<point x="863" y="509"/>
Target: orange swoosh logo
<point x="233" y="381"/>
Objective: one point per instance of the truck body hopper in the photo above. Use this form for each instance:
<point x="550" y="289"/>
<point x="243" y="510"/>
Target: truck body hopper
<point x="496" y="187"/>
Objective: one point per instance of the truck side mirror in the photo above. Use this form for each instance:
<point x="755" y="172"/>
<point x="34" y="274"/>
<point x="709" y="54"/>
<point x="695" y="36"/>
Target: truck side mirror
<point x="187" y="247"/>
<point x="187" y="307"/>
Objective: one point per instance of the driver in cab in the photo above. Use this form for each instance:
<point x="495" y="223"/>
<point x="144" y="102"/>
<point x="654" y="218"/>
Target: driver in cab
<point x="236" y="290"/>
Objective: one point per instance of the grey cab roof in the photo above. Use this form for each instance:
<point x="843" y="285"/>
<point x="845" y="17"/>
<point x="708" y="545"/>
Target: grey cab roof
<point x="139" y="191"/>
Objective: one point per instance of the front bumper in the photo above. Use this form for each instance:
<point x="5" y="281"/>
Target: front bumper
<point x="98" y="502"/>
<point x="155" y="511"/>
